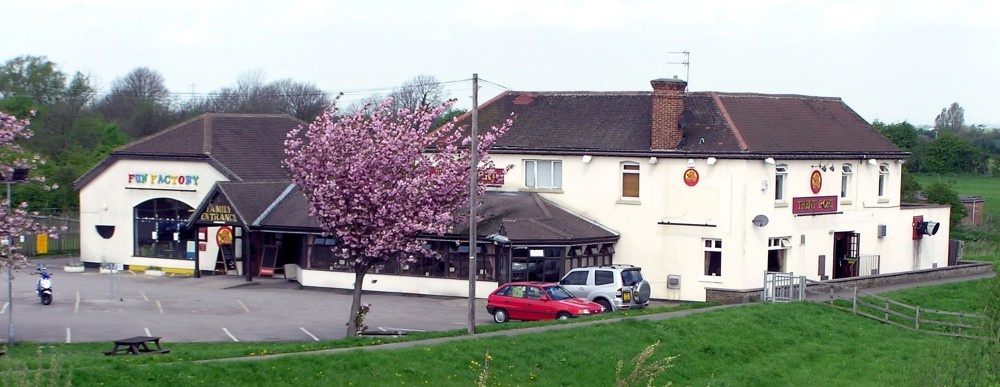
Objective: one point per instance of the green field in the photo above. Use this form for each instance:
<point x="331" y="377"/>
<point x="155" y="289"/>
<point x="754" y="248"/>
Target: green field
<point x="987" y="187"/>
<point x="751" y="345"/>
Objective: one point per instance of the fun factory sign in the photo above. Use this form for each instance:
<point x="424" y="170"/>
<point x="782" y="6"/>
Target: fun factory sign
<point x="162" y="180"/>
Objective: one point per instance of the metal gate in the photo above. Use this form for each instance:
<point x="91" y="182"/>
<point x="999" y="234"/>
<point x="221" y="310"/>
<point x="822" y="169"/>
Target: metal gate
<point x="783" y="287"/>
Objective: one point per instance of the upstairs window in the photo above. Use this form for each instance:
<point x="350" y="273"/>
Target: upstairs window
<point x="630" y="181"/>
<point x="883" y="179"/>
<point x="780" y="175"/>
<point x="845" y="180"/>
<point x="543" y="174"/>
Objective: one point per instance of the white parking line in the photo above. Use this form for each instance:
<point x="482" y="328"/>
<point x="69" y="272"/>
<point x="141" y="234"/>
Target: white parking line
<point x="159" y="306"/>
<point x="310" y="334"/>
<point x="243" y="305"/>
<point x="144" y="298"/>
<point x="76" y="305"/>
<point x="147" y="332"/>
<point x="230" y="334"/>
<point x="69" y="337"/>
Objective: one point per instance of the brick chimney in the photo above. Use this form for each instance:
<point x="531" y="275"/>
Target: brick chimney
<point x="668" y="103"/>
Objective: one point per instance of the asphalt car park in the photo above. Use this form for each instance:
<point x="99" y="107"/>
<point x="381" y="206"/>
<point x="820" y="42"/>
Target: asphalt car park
<point x="96" y="307"/>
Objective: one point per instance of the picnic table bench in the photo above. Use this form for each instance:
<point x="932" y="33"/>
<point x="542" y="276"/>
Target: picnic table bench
<point x="138" y="345"/>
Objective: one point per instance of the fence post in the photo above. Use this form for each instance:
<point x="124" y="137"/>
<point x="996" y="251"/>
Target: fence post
<point x="855" y="301"/>
<point x="831" y="294"/>
<point x="961" y="316"/>
<point x="916" y="321"/>
<point x="887" y="311"/>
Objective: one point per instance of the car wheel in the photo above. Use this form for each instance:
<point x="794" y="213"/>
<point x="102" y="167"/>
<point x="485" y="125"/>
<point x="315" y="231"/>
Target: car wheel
<point x="500" y="316"/>
<point x="642" y="292"/>
<point x="605" y="304"/>
<point x="562" y="316"/>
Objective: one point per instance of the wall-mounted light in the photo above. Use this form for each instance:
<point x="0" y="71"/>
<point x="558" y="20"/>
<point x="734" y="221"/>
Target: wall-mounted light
<point x="763" y="185"/>
<point x="653" y="160"/>
<point x="769" y="160"/>
<point x="711" y="160"/>
<point x="586" y="158"/>
<point x="872" y="161"/>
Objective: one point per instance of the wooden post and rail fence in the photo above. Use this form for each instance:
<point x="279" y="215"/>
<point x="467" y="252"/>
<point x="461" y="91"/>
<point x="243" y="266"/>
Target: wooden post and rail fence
<point x="914" y="318"/>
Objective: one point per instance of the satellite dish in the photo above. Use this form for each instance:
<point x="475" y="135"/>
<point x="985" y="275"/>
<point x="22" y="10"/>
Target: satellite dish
<point x="760" y="221"/>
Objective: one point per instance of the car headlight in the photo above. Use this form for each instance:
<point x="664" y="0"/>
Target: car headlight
<point x="585" y="311"/>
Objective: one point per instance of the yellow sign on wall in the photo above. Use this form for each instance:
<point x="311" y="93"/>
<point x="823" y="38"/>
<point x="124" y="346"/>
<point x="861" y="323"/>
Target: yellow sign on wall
<point x="42" y="244"/>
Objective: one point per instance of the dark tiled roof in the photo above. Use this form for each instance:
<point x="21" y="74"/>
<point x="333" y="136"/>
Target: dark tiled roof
<point x="530" y="219"/>
<point x="247" y="147"/>
<point x="725" y="123"/>
<point x="795" y="123"/>
<point x="251" y="199"/>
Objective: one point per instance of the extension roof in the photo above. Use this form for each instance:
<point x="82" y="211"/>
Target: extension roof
<point x="244" y="147"/>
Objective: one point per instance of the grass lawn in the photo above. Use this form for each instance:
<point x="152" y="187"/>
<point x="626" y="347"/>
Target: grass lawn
<point x="987" y="187"/>
<point x="759" y="345"/>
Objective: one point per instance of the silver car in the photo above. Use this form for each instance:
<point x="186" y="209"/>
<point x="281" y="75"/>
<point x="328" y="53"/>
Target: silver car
<point x="615" y="286"/>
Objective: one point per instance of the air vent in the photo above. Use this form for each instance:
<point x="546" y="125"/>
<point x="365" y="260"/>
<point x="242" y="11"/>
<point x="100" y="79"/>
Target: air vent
<point x="673" y="281"/>
<point x="882" y="231"/>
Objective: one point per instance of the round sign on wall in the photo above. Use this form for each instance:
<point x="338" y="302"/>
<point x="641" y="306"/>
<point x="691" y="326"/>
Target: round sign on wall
<point x="691" y="177"/>
<point x="816" y="181"/>
<point x="224" y="236"/>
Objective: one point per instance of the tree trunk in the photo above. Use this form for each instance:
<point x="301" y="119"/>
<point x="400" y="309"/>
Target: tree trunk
<point x="359" y="276"/>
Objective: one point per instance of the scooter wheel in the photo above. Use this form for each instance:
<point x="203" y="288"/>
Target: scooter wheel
<point x="46" y="299"/>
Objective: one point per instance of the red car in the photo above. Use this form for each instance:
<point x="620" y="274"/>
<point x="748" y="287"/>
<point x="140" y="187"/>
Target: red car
<point x="537" y="301"/>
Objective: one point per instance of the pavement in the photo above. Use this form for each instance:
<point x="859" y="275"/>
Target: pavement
<point x="94" y="307"/>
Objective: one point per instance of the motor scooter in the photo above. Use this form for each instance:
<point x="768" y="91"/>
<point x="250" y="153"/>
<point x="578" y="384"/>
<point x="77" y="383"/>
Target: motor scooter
<point x="44" y="286"/>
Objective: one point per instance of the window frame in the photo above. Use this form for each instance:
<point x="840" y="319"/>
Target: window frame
<point x="627" y="169"/>
<point x="846" y="174"/>
<point x="713" y="251"/>
<point x="531" y="173"/>
<point x="780" y="181"/>
<point x="883" y="179"/>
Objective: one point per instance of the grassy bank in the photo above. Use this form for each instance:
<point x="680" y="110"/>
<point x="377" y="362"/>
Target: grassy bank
<point x="763" y="344"/>
<point x="987" y="187"/>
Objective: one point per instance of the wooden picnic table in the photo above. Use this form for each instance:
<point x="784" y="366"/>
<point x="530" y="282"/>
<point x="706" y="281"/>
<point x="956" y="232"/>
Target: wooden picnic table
<point x="138" y="345"/>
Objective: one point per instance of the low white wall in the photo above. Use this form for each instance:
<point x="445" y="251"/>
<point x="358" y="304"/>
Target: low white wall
<point x="395" y="284"/>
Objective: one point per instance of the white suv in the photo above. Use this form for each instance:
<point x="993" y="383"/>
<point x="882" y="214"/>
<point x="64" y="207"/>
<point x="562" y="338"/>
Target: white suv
<point x="614" y="287"/>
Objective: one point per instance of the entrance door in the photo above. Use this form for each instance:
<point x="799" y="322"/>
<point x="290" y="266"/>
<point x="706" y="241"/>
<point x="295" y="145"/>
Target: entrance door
<point x="845" y="253"/>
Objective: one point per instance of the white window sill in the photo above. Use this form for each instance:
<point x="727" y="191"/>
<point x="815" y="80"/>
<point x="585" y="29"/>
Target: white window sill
<point x="781" y="204"/>
<point x="542" y="190"/>
<point x="711" y="279"/>
<point x="883" y="200"/>
<point x="846" y="202"/>
<point x="629" y="201"/>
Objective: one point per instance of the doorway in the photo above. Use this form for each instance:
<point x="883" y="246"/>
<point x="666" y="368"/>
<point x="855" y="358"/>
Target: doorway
<point x="845" y="253"/>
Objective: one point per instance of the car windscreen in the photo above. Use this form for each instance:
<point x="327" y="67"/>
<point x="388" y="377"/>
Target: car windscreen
<point x="631" y="277"/>
<point x="557" y="293"/>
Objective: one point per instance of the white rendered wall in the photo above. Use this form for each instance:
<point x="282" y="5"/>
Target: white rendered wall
<point x="728" y="195"/>
<point x="109" y="199"/>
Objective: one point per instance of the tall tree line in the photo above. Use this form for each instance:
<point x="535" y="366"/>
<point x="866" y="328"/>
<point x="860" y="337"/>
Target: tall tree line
<point x="75" y="126"/>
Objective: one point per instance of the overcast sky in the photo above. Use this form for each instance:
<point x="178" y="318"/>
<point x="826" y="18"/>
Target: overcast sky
<point x="889" y="60"/>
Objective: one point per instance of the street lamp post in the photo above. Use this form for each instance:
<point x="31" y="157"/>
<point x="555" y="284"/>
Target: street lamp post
<point x="17" y="175"/>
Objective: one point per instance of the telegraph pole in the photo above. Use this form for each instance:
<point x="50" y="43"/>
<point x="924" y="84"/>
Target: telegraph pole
<point x="473" y="177"/>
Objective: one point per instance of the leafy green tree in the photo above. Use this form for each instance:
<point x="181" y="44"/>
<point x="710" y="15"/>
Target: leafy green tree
<point x="940" y="192"/>
<point x="910" y="187"/>
<point x="34" y="77"/>
<point x="951" y="154"/>
<point x="903" y="134"/>
<point x="951" y="119"/>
